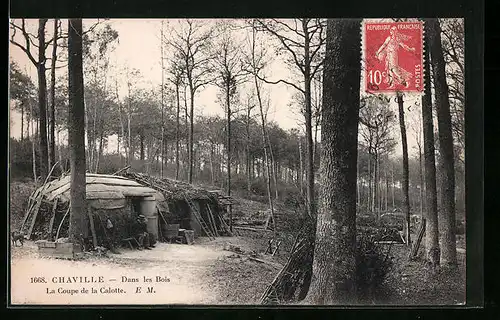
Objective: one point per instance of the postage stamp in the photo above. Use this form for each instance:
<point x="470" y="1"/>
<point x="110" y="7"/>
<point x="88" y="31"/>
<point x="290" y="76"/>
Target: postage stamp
<point x="393" y="56"/>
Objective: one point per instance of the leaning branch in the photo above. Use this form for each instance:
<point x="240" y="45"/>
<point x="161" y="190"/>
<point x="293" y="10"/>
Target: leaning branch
<point x="280" y="81"/>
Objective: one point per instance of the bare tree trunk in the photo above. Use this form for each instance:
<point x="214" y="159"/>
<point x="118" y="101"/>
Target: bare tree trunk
<point x="162" y="104"/>
<point x="421" y="177"/>
<point x="266" y="158"/>
<point x="33" y="153"/>
<point x="22" y="121"/>
<point x="386" y="189"/>
<point x="52" y="151"/>
<point x="212" y="175"/>
<point x="177" y="132"/>
<point x="248" y="170"/>
<point x="122" y="127"/>
<point x="42" y="99"/>
<point x="100" y="151"/>
<point x="229" y="151"/>
<point x="393" y="187"/>
<point x="273" y="167"/>
<point x="370" y="181"/>
<point x="59" y="152"/>
<point x="130" y="155"/>
<point x="404" y="142"/>
<point x="447" y="182"/>
<point x="76" y="125"/>
<point x="190" y="136"/>
<point x="358" y="184"/>
<point x="432" y="228"/>
<point x="301" y="170"/>
<point x="334" y="249"/>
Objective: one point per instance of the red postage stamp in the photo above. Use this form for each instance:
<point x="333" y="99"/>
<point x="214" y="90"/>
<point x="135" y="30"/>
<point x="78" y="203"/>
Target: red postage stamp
<point x="393" y="56"/>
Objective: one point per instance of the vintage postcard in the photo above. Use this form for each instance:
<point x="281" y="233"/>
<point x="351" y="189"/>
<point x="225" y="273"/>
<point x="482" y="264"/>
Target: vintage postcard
<point x="237" y="162"/>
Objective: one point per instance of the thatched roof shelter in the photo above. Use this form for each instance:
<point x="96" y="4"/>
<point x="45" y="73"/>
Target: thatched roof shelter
<point x="163" y="201"/>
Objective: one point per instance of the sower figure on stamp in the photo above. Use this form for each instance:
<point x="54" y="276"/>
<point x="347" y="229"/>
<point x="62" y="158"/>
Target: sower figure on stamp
<point x="389" y="51"/>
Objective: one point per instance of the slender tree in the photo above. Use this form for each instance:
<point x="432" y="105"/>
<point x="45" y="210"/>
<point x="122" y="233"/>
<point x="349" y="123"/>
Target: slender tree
<point x="303" y="41"/>
<point x="406" y="175"/>
<point x="191" y="45"/>
<point x="256" y="62"/>
<point x="42" y="83"/>
<point x="334" y="250"/>
<point x="227" y="64"/>
<point x="76" y="133"/>
<point x="52" y="118"/>
<point x="447" y="181"/>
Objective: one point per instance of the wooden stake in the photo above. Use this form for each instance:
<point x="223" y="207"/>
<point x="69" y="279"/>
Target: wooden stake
<point x="62" y="220"/>
<point x="421" y="232"/>
<point x="51" y="223"/>
<point x="92" y="228"/>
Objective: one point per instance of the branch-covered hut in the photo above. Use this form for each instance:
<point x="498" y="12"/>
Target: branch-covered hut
<point x="164" y="202"/>
<point x="191" y="207"/>
<point x="108" y="197"/>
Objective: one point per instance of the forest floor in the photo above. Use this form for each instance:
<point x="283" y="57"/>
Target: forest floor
<point x="206" y="273"/>
<point x="416" y="283"/>
<point x="203" y="273"/>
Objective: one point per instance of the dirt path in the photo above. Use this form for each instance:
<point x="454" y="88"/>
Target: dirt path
<point x="187" y="268"/>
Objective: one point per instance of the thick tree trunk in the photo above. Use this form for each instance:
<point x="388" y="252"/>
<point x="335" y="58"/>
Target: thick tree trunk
<point x="432" y="229"/>
<point x="334" y="251"/>
<point x="446" y="165"/>
<point x="42" y="99"/>
<point x="404" y="142"/>
<point x="76" y="141"/>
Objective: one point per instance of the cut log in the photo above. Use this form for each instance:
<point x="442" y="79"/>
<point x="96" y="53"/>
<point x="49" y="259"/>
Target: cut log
<point x="251" y="229"/>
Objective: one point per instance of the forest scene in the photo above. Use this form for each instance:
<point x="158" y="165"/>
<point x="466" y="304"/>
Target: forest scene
<point x="337" y="195"/>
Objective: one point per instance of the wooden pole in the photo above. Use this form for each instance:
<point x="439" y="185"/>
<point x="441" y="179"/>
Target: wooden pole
<point x="92" y="228"/>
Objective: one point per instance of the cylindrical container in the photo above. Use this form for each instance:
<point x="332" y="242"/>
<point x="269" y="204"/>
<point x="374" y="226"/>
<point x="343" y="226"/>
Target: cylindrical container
<point x="148" y="206"/>
<point x="152" y="226"/>
<point x="189" y="236"/>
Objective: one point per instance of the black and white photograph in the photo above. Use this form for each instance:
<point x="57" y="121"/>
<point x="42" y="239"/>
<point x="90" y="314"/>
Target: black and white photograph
<point x="257" y="161"/>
